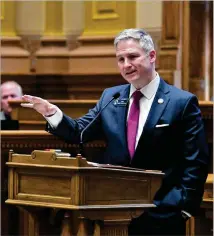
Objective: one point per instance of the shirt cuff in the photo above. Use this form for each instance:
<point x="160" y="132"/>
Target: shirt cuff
<point x="55" y="119"/>
<point x="187" y="214"/>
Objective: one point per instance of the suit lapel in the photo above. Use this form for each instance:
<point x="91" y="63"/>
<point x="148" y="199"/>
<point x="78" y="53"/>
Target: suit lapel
<point x="121" y="113"/>
<point x="158" y="106"/>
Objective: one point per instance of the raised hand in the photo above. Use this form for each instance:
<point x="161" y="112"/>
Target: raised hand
<point x="40" y="105"/>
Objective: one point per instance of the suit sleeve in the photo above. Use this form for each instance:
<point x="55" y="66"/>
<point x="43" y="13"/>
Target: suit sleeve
<point x="195" y="162"/>
<point x="194" y="165"/>
<point x="70" y="129"/>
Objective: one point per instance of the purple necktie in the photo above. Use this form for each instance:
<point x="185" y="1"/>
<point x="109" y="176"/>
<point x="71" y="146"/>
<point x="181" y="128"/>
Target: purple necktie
<point x="132" y="125"/>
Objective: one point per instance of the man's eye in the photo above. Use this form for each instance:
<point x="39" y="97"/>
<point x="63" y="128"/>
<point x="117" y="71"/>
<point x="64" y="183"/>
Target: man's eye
<point x="120" y="59"/>
<point x="132" y="57"/>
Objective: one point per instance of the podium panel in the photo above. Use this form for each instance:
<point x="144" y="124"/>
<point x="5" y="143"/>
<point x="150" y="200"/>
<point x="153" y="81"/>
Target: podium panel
<point x="99" y="199"/>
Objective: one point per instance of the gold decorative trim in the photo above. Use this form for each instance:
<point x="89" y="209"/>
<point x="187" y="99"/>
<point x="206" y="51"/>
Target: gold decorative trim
<point x="9" y="145"/>
<point x="2" y="10"/>
<point x="108" y="17"/>
<point x="54" y="18"/>
<point x="104" y="10"/>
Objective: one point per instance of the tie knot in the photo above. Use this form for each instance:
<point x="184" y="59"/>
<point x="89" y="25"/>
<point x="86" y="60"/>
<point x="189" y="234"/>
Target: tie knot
<point x="137" y="95"/>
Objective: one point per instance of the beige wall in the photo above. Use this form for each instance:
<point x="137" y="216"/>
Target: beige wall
<point x="149" y="15"/>
<point x="149" y="18"/>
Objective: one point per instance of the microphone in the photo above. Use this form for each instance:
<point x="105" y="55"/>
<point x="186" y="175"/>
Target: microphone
<point x="115" y="96"/>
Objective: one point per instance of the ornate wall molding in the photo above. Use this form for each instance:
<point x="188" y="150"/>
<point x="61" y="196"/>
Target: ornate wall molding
<point x="52" y="56"/>
<point x="31" y="43"/>
<point x="96" y="54"/>
<point x="14" y="58"/>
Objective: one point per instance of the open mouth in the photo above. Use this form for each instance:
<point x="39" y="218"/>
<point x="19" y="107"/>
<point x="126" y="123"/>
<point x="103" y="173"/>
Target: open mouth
<point x="130" y="72"/>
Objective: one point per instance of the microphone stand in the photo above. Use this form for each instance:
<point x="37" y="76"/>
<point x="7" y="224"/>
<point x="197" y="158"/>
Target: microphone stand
<point x="81" y="149"/>
<point x="81" y="146"/>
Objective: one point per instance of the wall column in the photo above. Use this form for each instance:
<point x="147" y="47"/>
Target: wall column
<point x="31" y="12"/>
<point x="11" y="47"/>
<point x="52" y="57"/>
<point x="171" y="42"/>
<point x="73" y="21"/>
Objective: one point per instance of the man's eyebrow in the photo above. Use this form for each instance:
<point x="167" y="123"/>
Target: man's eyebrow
<point x="124" y="54"/>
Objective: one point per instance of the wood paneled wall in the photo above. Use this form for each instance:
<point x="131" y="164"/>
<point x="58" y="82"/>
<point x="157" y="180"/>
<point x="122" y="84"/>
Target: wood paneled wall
<point x="185" y="56"/>
<point x="49" y="45"/>
<point x="185" y="48"/>
<point x="66" y="86"/>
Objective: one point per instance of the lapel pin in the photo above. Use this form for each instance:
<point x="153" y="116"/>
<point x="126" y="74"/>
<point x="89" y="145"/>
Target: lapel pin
<point x="160" y="100"/>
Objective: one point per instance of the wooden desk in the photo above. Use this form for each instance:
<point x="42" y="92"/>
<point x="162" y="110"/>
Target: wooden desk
<point x="202" y="224"/>
<point x="29" y="119"/>
<point x="207" y="115"/>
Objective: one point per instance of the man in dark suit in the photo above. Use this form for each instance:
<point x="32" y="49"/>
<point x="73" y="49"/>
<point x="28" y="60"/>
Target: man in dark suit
<point x="152" y="125"/>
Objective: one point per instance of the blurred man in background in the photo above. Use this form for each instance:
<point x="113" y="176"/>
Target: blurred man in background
<point x="10" y="90"/>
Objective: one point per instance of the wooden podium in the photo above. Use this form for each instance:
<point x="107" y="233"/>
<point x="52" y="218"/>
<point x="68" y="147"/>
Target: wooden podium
<point x="95" y="199"/>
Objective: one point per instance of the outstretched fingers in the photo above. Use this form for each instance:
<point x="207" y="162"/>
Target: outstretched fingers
<point x="32" y="100"/>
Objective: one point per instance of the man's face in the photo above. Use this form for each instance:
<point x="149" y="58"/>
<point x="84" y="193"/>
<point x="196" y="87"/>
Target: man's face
<point x="8" y="92"/>
<point x="134" y="64"/>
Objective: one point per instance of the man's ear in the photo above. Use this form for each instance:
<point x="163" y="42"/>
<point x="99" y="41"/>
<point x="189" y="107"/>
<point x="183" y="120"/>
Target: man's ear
<point x="152" y="56"/>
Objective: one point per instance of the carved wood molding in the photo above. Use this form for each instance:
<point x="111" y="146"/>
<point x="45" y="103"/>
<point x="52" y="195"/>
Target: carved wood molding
<point x="40" y="140"/>
<point x="96" y="54"/>
<point x="14" y="58"/>
<point x="66" y="86"/>
<point x="208" y="193"/>
<point x="170" y="40"/>
<point x="206" y="109"/>
<point x="52" y="56"/>
<point x="31" y="43"/>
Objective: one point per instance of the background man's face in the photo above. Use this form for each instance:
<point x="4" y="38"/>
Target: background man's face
<point x="9" y="92"/>
<point x="134" y="64"/>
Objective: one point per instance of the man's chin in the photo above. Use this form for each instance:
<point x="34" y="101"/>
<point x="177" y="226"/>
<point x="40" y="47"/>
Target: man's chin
<point x="132" y="80"/>
<point x="8" y="112"/>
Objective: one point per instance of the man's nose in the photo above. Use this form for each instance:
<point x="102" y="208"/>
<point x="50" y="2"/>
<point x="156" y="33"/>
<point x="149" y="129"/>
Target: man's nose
<point x="127" y="63"/>
<point x="10" y="98"/>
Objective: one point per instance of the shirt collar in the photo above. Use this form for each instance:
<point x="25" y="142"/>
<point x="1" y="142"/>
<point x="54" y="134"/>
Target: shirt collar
<point x="2" y="116"/>
<point x="150" y="89"/>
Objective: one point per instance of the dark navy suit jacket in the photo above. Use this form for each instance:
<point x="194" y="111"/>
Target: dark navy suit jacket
<point x="179" y="149"/>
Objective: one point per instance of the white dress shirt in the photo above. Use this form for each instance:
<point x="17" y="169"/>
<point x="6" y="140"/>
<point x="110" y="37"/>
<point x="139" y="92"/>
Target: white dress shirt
<point x="146" y="100"/>
<point x="55" y="119"/>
